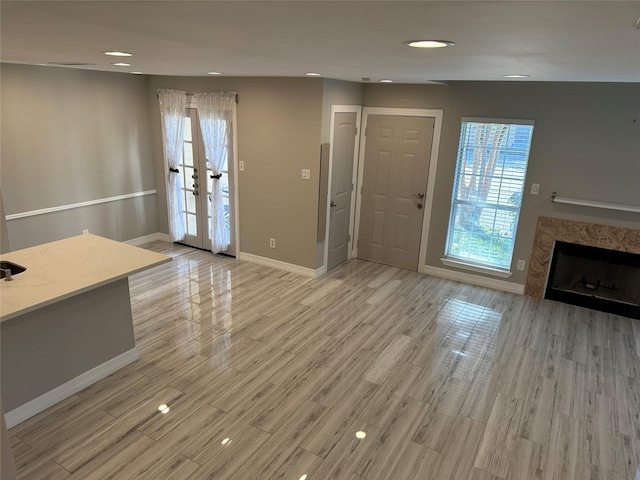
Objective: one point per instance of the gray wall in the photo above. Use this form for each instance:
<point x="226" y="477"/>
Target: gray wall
<point x="278" y="135"/>
<point x="336" y="92"/>
<point x="586" y="144"/>
<point x="70" y="136"/>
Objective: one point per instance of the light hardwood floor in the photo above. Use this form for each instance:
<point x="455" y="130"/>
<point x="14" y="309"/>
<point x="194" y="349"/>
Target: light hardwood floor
<point x="447" y="380"/>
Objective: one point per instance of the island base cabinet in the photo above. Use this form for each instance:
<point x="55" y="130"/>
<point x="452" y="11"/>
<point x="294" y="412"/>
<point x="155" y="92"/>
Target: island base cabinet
<point x="53" y="352"/>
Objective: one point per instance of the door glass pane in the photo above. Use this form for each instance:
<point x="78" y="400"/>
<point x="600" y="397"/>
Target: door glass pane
<point x="224" y="181"/>
<point x="188" y="173"/>
<point x="187" y="157"/>
<point x="187" y="128"/>
<point x="192" y="225"/>
<point x="191" y="202"/>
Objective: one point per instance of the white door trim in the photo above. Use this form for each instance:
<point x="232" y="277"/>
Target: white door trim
<point x="236" y="183"/>
<point x="357" y="109"/>
<point x="433" y="165"/>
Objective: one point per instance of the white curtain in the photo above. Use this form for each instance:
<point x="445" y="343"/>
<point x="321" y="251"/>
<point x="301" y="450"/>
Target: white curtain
<point x="173" y="104"/>
<point x="216" y="112"/>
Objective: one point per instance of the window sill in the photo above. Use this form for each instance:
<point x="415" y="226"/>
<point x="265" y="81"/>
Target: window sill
<point x="476" y="268"/>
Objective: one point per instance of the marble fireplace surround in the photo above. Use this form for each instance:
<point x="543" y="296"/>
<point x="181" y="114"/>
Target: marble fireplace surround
<point x="550" y="229"/>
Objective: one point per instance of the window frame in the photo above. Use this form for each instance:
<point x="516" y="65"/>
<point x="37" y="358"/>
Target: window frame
<point x="486" y="266"/>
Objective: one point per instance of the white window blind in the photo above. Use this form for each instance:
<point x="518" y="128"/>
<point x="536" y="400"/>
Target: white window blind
<point x="488" y="186"/>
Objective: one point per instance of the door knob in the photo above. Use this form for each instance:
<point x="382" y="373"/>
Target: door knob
<point x="333" y="204"/>
<point x="418" y="195"/>
<point x="195" y="193"/>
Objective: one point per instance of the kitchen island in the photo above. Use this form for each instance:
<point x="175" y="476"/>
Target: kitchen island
<point x="66" y="321"/>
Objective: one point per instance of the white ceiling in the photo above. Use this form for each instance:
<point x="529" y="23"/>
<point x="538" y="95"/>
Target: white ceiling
<point x="347" y="40"/>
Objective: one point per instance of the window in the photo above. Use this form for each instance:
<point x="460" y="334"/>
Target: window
<point x="487" y="191"/>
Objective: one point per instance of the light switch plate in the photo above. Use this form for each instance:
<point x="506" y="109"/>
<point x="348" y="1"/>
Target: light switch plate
<point x="306" y="174"/>
<point x="521" y="264"/>
<point x="535" y="188"/>
<point x="241" y="166"/>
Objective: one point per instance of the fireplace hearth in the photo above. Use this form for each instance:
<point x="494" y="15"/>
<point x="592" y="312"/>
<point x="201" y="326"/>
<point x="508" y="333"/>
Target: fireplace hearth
<point x="597" y="278"/>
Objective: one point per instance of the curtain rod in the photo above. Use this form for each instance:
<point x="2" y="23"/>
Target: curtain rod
<point x="194" y="94"/>
<point x="590" y="203"/>
<point x="158" y="95"/>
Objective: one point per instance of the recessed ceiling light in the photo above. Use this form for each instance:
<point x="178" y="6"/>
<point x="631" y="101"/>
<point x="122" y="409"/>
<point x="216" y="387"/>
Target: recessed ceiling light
<point x="516" y="76"/>
<point x="118" y="54"/>
<point x="313" y="74"/>
<point x="430" y="43"/>
<point x="214" y="73"/>
<point x="386" y="80"/>
<point x="121" y="64"/>
<point x="136" y="73"/>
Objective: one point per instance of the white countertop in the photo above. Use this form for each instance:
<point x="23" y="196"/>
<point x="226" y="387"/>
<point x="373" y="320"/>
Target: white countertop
<point x="68" y="267"/>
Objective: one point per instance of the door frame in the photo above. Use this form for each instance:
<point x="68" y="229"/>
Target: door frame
<point x="236" y="183"/>
<point x="191" y="103"/>
<point x="437" y="115"/>
<point x="357" y="109"/>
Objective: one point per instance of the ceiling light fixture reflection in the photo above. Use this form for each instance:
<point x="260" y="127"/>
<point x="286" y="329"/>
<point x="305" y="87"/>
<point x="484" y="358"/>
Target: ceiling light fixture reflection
<point x="226" y="441"/>
<point x="430" y="43"/>
<point x="121" y="64"/>
<point x="214" y="73"/>
<point x="386" y="80"/>
<point x="360" y="434"/>
<point x="303" y="477"/>
<point x="313" y="74"/>
<point x="516" y="76"/>
<point x="164" y="408"/>
<point x="118" y="54"/>
<point x="136" y="73"/>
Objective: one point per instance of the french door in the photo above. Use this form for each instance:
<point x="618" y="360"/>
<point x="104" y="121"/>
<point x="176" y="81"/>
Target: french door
<point x="197" y="185"/>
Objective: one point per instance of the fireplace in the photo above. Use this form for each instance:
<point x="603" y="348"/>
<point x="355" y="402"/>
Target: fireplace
<point x="597" y="278"/>
<point x="551" y="231"/>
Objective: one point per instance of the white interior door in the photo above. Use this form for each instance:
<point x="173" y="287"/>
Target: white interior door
<point x="197" y="185"/>
<point x="394" y="188"/>
<point x="343" y="151"/>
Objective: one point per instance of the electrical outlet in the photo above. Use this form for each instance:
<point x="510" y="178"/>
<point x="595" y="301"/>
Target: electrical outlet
<point x="521" y="264"/>
<point x="306" y="174"/>
<point x="85" y="231"/>
<point x="535" y="188"/>
<point x="241" y="166"/>
<point x="272" y="243"/>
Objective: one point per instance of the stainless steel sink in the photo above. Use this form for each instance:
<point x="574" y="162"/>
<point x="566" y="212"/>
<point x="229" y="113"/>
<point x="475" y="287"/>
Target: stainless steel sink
<point x="14" y="268"/>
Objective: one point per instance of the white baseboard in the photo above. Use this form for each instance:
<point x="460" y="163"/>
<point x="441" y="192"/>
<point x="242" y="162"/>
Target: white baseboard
<point x="73" y="386"/>
<point x="473" y="279"/>
<point x="163" y="237"/>
<point x="277" y="264"/>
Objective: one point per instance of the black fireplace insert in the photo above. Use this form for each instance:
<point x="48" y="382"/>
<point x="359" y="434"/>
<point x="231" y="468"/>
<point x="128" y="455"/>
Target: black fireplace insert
<point x="597" y="278"/>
